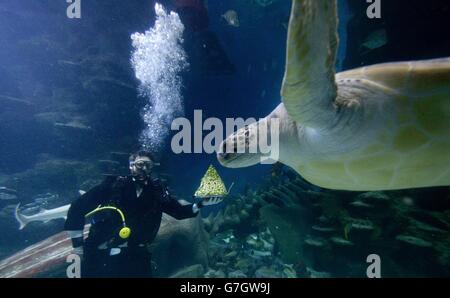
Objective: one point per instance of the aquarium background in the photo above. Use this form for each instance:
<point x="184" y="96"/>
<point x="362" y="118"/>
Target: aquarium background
<point x="70" y="113"/>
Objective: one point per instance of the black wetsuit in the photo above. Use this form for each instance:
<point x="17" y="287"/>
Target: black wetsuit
<point x="142" y="215"/>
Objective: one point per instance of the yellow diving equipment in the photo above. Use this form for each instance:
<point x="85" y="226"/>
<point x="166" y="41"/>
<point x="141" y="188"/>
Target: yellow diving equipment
<point x="125" y="231"/>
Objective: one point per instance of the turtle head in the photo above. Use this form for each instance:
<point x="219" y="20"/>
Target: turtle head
<point x="247" y="146"/>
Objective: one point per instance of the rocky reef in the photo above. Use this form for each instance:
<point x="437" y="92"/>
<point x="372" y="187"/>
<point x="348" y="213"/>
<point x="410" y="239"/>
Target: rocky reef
<point x="292" y="228"/>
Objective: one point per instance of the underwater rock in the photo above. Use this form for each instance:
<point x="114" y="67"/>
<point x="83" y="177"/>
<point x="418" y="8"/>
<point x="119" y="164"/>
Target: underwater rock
<point x="53" y="175"/>
<point x="289" y="271"/>
<point x="232" y="220"/>
<point x="293" y="197"/>
<point x="47" y="200"/>
<point x="317" y="274"/>
<point x="295" y="188"/>
<point x="244" y="214"/>
<point x="257" y="254"/>
<point x="121" y="157"/>
<point x="237" y="274"/>
<point x="252" y="241"/>
<point x="317" y="197"/>
<point x="266" y="272"/>
<point x="230" y="255"/>
<point x="270" y="198"/>
<point x="287" y="200"/>
<point x="193" y="271"/>
<point x="8" y="212"/>
<point x="267" y="245"/>
<point x="214" y="221"/>
<point x="187" y="242"/>
<point x="226" y="236"/>
<point x="242" y="264"/>
<point x="214" y="274"/>
<point x="109" y="166"/>
<point x="88" y="184"/>
<point x="414" y="241"/>
<point x="288" y="227"/>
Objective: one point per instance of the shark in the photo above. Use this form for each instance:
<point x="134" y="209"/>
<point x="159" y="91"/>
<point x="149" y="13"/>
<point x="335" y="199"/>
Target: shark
<point x="44" y="215"/>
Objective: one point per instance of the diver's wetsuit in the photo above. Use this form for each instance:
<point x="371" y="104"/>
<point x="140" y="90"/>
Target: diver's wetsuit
<point x="142" y="215"/>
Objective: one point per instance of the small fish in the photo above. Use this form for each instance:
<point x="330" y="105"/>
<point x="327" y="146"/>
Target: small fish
<point x="361" y="204"/>
<point x="259" y="253"/>
<point x="7" y="197"/>
<point x="68" y="62"/>
<point x="323" y="229"/>
<point x="341" y="241"/>
<point x="263" y="93"/>
<point x="43" y="215"/>
<point x="7" y="194"/>
<point x="375" y="40"/>
<point x="231" y="17"/>
<point x="314" y="242"/>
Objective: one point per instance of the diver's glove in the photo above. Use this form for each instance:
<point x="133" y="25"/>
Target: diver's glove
<point x="77" y="242"/>
<point x="78" y="251"/>
<point x="210" y="201"/>
<point x="206" y="202"/>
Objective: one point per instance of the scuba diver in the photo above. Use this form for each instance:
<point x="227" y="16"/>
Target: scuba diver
<point x="201" y="44"/>
<point x="125" y="214"/>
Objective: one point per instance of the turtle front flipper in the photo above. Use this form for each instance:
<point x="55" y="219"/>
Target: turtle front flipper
<point x="309" y="87"/>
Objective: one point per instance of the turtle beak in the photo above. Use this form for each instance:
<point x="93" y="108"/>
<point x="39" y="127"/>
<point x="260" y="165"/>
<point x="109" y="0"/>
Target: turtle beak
<point x="229" y="156"/>
<point x="224" y="156"/>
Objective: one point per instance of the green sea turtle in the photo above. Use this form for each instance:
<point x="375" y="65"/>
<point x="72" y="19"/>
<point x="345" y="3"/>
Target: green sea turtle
<point x="379" y="127"/>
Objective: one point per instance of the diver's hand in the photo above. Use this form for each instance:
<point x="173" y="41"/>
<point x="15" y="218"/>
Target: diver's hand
<point x="78" y="251"/>
<point x="211" y="201"/>
<point x="77" y="246"/>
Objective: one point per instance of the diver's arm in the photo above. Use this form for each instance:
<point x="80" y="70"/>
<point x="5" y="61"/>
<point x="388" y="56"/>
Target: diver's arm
<point x="179" y="211"/>
<point x="174" y="208"/>
<point x="79" y="208"/>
